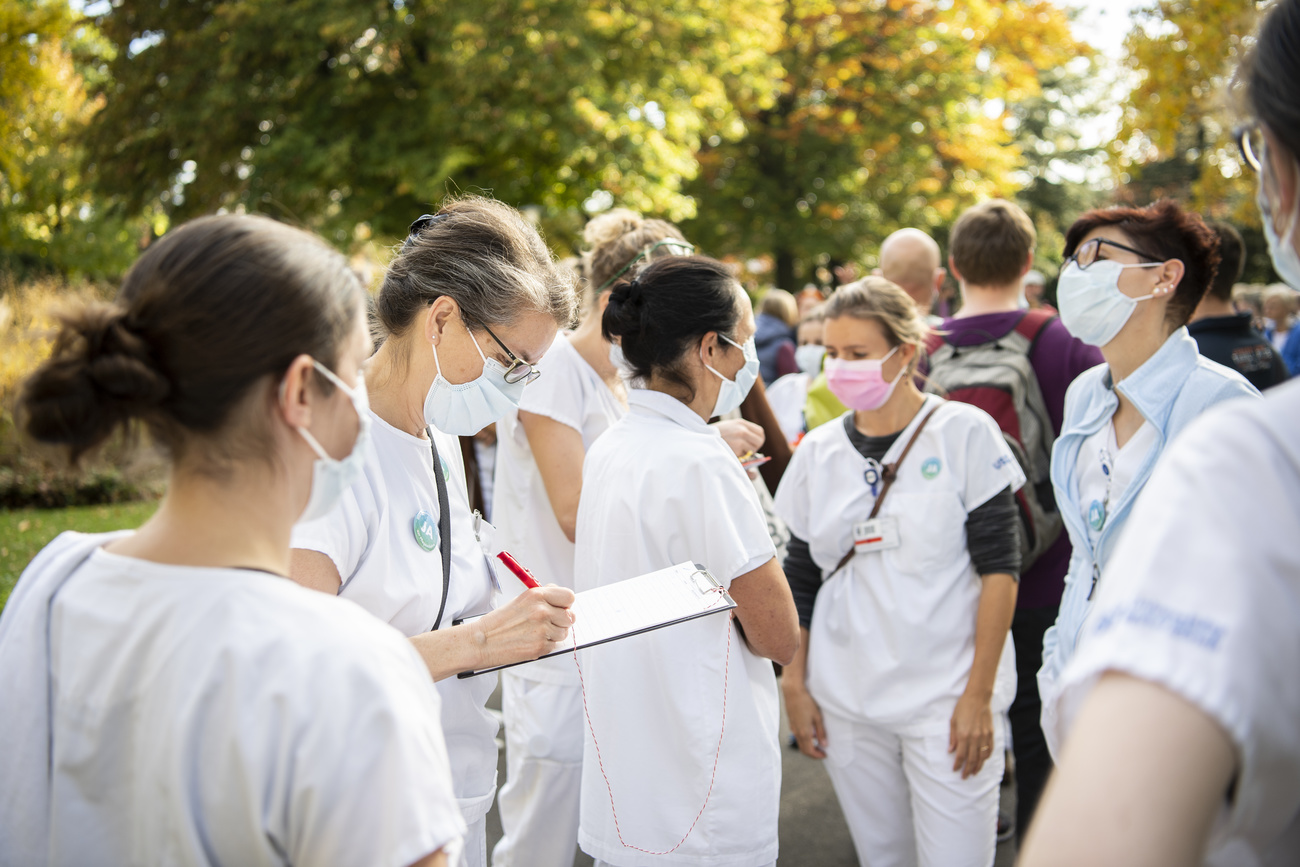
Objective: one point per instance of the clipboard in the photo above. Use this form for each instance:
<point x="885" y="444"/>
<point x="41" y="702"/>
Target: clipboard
<point x="645" y="603"/>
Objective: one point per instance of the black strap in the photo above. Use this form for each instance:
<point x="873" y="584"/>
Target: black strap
<point x="888" y="474"/>
<point x="444" y="526"/>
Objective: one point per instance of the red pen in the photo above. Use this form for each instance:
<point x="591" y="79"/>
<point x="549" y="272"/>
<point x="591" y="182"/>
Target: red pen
<point x="520" y="572"/>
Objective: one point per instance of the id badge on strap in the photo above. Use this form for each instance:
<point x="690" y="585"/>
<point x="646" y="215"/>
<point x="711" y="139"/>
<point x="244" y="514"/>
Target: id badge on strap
<point x="875" y="534"/>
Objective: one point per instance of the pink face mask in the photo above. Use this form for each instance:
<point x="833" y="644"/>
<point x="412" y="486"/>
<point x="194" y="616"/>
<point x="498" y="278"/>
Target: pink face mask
<point x="861" y="385"/>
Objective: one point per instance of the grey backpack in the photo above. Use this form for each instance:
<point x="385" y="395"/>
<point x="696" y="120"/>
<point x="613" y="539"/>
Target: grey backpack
<point x="996" y="376"/>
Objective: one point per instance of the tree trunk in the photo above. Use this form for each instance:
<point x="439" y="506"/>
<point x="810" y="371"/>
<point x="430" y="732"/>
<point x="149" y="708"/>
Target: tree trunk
<point x="785" y="278"/>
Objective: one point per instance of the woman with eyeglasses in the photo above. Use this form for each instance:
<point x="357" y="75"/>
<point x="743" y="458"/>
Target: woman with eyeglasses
<point x="1183" y="704"/>
<point x="1131" y="280"/>
<point x="169" y="696"/>
<point x="541" y="447"/>
<point x="467" y="309"/>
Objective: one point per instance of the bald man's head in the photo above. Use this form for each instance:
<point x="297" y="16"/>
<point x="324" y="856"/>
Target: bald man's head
<point x="910" y="259"/>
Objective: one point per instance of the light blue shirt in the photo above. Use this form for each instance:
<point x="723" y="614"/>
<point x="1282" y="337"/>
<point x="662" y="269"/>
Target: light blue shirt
<point x="1170" y="389"/>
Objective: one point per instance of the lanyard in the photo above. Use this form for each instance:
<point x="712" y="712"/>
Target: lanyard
<point x="444" y="527"/>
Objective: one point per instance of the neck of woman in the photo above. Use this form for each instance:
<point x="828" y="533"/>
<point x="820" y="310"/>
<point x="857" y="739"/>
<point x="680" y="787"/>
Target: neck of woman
<point x="895" y="414"/>
<point x="238" y="519"/>
<point x="397" y="384"/>
<point x="589" y="343"/>
<point x="1133" y="347"/>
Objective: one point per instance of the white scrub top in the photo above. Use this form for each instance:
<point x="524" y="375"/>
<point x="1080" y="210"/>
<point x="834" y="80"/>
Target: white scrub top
<point x="1205" y="602"/>
<point x="571" y="392"/>
<point x="661" y="487"/>
<point x="893" y="632"/>
<point x="1105" y="471"/>
<point x="371" y="538"/>
<point x="225" y="716"/>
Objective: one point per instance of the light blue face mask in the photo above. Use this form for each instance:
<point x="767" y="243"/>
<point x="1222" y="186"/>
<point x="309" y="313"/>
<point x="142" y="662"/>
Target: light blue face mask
<point x="1286" y="259"/>
<point x="465" y="409"/>
<point x="732" y="392"/>
<point x="1093" y="308"/>
<point x="330" y="477"/>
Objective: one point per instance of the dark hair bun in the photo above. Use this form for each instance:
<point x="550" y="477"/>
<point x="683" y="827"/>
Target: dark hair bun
<point x="99" y="375"/>
<point x="625" y="309"/>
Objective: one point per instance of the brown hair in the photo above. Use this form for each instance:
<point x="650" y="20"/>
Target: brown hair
<point x="487" y="257"/>
<point x="876" y="298"/>
<point x="616" y="238"/>
<point x="1232" y="264"/>
<point x="781" y="304"/>
<point x="1163" y="231"/>
<point x="991" y="243"/>
<point x="210" y="310"/>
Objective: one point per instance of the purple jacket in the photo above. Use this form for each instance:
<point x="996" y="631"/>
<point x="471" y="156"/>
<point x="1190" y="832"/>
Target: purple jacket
<point x="1057" y="358"/>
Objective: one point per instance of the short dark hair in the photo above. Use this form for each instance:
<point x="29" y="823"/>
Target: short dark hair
<point x="991" y="242"/>
<point x="1232" y="261"/>
<point x="1164" y="231"/>
<point x="211" y="309"/>
<point x="666" y="309"/>
<point x="1269" y="71"/>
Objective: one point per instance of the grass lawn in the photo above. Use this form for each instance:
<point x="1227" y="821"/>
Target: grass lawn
<point x="24" y="532"/>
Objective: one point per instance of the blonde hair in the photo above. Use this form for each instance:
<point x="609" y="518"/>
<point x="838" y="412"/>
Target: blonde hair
<point x="614" y="240"/>
<point x="886" y="303"/>
<point x="781" y="304"/>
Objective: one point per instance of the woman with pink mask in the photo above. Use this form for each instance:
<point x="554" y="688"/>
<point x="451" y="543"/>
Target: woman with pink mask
<point x="903" y="560"/>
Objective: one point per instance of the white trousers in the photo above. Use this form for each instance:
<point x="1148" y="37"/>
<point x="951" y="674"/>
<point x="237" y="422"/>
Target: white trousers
<point x="539" y="802"/>
<point x="599" y="863"/>
<point x="904" y="804"/>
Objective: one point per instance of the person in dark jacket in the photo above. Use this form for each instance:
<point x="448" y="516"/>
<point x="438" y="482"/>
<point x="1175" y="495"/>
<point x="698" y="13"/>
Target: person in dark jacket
<point x="1226" y="336"/>
<point x="778" y="313"/>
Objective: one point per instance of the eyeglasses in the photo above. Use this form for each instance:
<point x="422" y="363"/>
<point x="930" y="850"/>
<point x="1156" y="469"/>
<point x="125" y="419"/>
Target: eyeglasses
<point x="1089" y="253"/>
<point x="1250" y="139"/>
<point x="678" y="248"/>
<point x="519" y="370"/>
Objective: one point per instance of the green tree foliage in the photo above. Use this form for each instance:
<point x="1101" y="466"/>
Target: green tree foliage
<point x="888" y="113"/>
<point x="339" y="112"/>
<point x="48" y="221"/>
<point x="1176" y="135"/>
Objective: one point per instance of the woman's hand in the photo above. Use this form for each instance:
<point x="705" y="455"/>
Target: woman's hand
<point x="805" y="719"/>
<point x="970" y="734"/>
<point x="742" y="436"/>
<point x="527" y="627"/>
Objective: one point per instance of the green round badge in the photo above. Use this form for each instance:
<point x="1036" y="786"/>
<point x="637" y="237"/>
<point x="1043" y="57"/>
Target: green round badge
<point x="425" y="530"/>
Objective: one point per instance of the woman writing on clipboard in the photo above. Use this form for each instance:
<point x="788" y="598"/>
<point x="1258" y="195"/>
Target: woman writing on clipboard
<point x="469" y="305"/>
<point x="904" y="557"/>
<point x="661" y="487"/>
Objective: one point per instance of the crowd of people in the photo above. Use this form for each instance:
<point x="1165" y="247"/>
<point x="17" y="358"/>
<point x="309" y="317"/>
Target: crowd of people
<point x="1059" y="532"/>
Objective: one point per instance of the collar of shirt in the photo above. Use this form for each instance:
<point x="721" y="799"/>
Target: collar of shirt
<point x="644" y="401"/>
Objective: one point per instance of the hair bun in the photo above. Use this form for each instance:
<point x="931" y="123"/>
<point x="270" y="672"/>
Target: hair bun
<point x="99" y="374"/>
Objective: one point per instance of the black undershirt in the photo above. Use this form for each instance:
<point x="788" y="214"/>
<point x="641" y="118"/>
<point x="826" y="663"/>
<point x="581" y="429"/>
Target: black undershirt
<point x="992" y="533"/>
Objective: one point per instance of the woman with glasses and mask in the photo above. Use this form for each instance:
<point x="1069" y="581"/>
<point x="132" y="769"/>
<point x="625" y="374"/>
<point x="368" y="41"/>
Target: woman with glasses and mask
<point x="1131" y="280"/>
<point x="541" y="448"/>
<point x="1182" y="704"/>
<point x="468" y="308"/>
<point x="666" y="767"/>
<point x="169" y="696"/>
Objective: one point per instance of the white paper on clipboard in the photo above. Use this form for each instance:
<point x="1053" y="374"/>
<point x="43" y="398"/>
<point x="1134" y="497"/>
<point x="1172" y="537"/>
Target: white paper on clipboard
<point x="626" y="608"/>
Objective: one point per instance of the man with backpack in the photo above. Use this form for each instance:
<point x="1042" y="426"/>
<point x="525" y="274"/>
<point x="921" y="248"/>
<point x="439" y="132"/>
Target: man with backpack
<point x="1016" y="365"/>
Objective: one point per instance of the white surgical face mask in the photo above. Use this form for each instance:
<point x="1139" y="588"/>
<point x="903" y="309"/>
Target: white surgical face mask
<point x="1286" y="260"/>
<point x="809" y="358"/>
<point x="330" y="477"/>
<point x="465" y="409"/>
<point x="732" y="392"/>
<point x="619" y="361"/>
<point x="1092" y="306"/>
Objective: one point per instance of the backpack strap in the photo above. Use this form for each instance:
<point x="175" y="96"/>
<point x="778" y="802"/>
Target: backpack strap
<point x="1031" y="325"/>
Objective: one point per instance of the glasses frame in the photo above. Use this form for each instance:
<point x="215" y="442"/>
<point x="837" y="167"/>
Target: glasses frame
<point x="1252" y="157"/>
<point x="1074" y="257"/>
<point x="518" y="369"/>
<point x="645" y="254"/>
